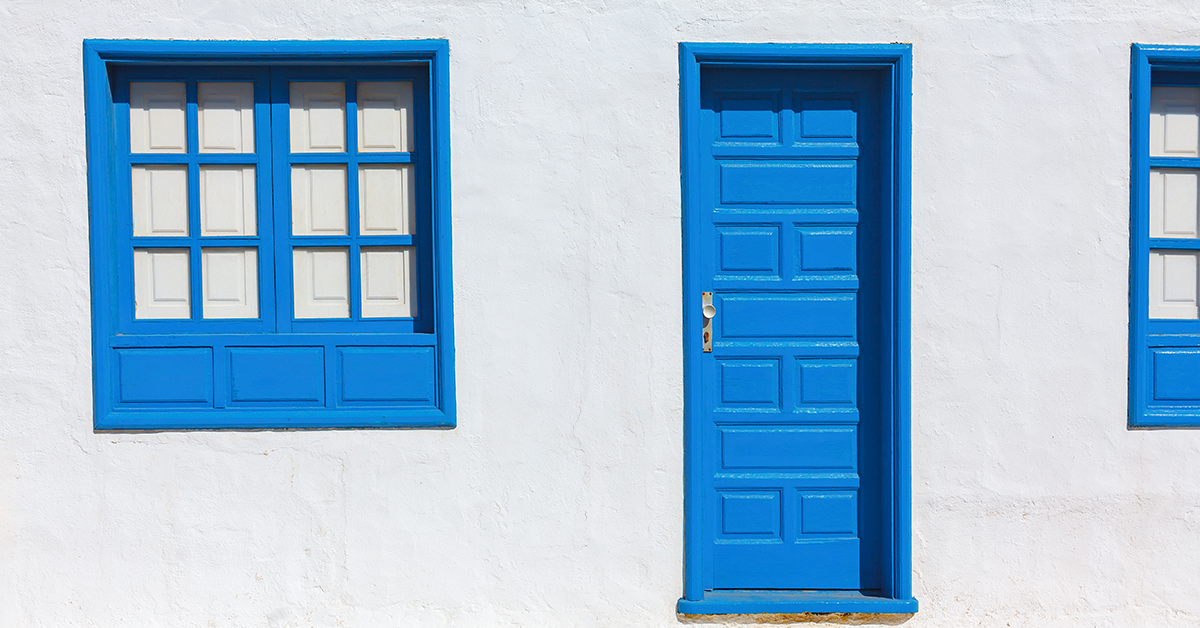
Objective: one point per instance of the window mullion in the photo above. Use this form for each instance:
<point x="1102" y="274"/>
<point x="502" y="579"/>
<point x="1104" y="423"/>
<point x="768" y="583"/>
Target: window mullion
<point x="195" y="262"/>
<point x="268" y="268"/>
<point x="281" y="198"/>
<point x="354" y="197"/>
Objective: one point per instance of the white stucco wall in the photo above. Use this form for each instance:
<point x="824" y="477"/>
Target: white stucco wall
<point x="557" y="499"/>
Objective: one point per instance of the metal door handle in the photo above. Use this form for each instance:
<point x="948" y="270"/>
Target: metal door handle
<point x="709" y="312"/>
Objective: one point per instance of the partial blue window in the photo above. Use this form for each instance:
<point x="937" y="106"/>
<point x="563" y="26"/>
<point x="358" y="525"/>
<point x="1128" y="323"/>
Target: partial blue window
<point x="1164" y="316"/>
<point x="270" y="234"/>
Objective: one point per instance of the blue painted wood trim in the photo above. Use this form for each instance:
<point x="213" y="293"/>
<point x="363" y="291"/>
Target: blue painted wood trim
<point x="901" y="362"/>
<point x="1168" y="419"/>
<point x="1145" y="61"/>
<point x="690" y="163"/>
<point x="439" y="89"/>
<point x="754" y="602"/>
<point x="1139" y="245"/>
<point x="98" y="117"/>
<point x="897" y="59"/>
<point x="277" y="51"/>
<point x="318" y="418"/>
<point x="840" y="55"/>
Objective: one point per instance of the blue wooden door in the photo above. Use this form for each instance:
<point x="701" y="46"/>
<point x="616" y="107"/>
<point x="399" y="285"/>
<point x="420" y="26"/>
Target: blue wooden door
<point x="789" y="248"/>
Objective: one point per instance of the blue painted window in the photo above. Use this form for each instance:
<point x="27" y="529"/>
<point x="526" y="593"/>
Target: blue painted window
<point x="1164" y="301"/>
<point x="270" y="234"/>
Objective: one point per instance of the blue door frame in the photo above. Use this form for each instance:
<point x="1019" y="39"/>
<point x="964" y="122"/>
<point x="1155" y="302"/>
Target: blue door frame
<point x="890" y="556"/>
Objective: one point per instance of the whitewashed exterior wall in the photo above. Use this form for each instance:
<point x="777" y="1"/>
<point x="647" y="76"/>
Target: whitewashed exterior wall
<point x="557" y="499"/>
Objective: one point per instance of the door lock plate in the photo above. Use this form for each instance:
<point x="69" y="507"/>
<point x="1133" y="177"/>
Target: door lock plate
<point x="709" y="313"/>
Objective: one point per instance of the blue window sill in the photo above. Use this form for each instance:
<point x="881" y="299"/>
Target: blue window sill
<point x="274" y="419"/>
<point x="754" y="602"/>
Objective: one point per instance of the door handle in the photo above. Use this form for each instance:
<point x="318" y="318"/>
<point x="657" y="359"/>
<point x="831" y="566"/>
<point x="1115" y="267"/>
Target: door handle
<point x="709" y="312"/>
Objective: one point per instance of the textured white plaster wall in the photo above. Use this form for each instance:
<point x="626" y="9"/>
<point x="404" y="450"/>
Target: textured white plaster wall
<point x="557" y="500"/>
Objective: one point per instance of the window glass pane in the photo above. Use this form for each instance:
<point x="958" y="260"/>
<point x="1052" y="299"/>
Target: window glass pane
<point x="384" y="116"/>
<point x="226" y="117"/>
<point x="387" y="282"/>
<point x="157" y="123"/>
<point x="321" y="282"/>
<point x="1175" y="121"/>
<point x="1173" y="284"/>
<point x="319" y="200"/>
<point x="227" y="201"/>
<point x="230" y="282"/>
<point x="160" y="200"/>
<point x="385" y="200"/>
<point x="318" y="117"/>
<point x="161" y="283"/>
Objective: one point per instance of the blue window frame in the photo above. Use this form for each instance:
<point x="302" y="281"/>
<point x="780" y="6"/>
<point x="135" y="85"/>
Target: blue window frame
<point x="1164" y="295"/>
<point x="270" y="234"/>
